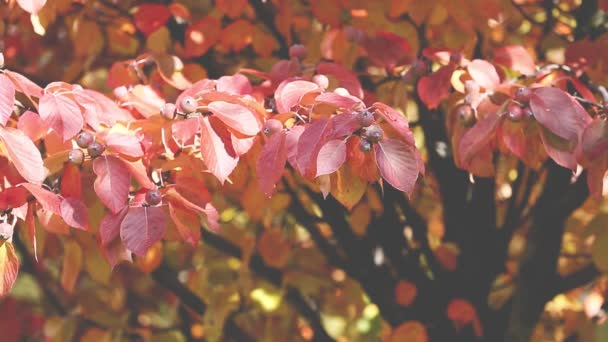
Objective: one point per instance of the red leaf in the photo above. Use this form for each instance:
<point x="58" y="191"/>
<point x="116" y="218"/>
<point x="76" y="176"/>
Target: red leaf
<point x="31" y="6"/>
<point x="290" y="92"/>
<point x="484" y="73"/>
<point x="237" y="84"/>
<point x="397" y="163"/>
<point x="478" y="137"/>
<point x="434" y="88"/>
<point x="201" y="35"/>
<point x="13" y="197"/>
<point x="309" y="144"/>
<point x="594" y="142"/>
<point x="331" y="156"/>
<point x="151" y="17"/>
<point x="48" y="200"/>
<point x="396" y="120"/>
<point x="559" y="149"/>
<point x="596" y="177"/>
<point x="387" y="49"/>
<point x="345" y="77"/>
<point x="109" y="228"/>
<point x="71" y="182"/>
<point x="112" y="183"/>
<point x="214" y="153"/>
<point x="7" y="99"/>
<point x="61" y="114"/>
<point x="74" y="213"/>
<point x="515" y="57"/>
<point x="142" y="227"/>
<point x="291" y="143"/>
<point x="24" y="155"/>
<point x="559" y="113"/>
<point x="187" y="223"/>
<point x="344" y="124"/>
<point x="124" y="144"/>
<point x="9" y="268"/>
<point x="236" y="116"/>
<point x="271" y="162"/>
<point x="32" y="125"/>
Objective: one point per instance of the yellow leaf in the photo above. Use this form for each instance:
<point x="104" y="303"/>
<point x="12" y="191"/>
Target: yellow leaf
<point x="346" y="187"/>
<point x="72" y="264"/>
<point x="9" y="267"/>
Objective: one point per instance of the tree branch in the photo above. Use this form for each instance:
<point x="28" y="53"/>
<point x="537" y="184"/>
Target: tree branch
<point x="537" y="270"/>
<point x="265" y="15"/>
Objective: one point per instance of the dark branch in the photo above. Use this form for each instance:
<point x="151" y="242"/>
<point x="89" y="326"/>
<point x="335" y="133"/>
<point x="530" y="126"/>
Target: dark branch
<point x="265" y="15"/>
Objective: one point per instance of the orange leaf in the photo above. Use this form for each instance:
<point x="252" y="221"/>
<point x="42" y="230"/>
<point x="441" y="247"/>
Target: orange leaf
<point x="237" y="35"/>
<point x="201" y="35"/>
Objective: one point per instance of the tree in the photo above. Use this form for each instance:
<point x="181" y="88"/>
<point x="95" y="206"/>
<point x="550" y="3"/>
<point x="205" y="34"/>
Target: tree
<point x="287" y="170"/>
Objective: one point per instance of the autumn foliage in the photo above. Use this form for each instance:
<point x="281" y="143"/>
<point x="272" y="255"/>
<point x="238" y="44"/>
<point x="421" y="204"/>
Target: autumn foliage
<point x="317" y="170"/>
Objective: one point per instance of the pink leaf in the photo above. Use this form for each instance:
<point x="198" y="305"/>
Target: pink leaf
<point x="397" y="163"/>
<point x="477" y="137"/>
<point x="109" y="228"/>
<point x="309" y="144"/>
<point x="237" y="84"/>
<point x="124" y="144"/>
<point x="112" y="183"/>
<point x="559" y="113"/>
<point x="236" y="116"/>
<point x="340" y="101"/>
<point x="115" y="252"/>
<point x="435" y="88"/>
<point x="596" y="178"/>
<point x="74" y="213"/>
<point x="48" y="200"/>
<point x="331" y="156"/>
<point x="31" y="6"/>
<point x="484" y="73"/>
<point x="142" y="227"/>
<point x="214" y="153"/>
<point x="213" y="217"/>
<point x="9" y="268"/>
<point x="344" y="124"/>
<point x="139" y="172"/>
<point x="61" y="114"/>
<point x="23" y="84"/>
<point x="32" y="125"/>
<point x="290" y="92"/>
<point x="99" y="109"/>
<point x="345" y="76"/>
<point x="515" y="57"/>
<point x="396" y="120"/>
<point x="271" y="162"/>
<point x="7" y="99"/>
<point x="183" y="131"/>
<point x="24" y="155"/>
<point x="198" y="88"/>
